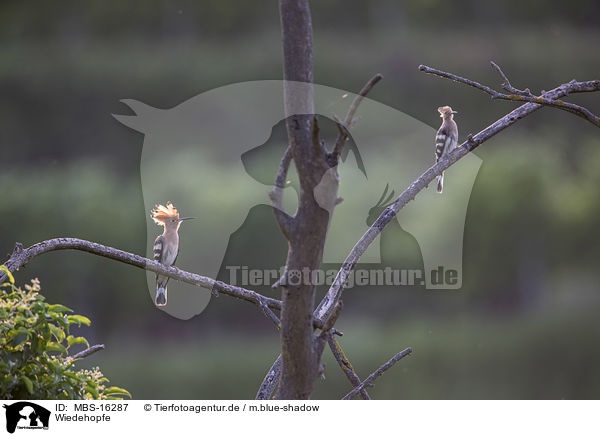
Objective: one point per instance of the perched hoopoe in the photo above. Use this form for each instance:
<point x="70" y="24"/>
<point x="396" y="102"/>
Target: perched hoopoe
<point x="166" y="246"/>
<point x="445" y="139"/>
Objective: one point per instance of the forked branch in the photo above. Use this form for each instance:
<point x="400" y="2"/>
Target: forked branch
<point x="525" y="95"/>
<point x="378" y="373"/>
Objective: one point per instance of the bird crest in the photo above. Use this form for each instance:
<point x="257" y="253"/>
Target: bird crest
<point x="162" y="213"/>
<point x="446" y="111"/>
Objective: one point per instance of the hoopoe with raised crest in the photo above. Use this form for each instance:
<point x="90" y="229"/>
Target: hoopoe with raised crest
<point x="446" y="139"/>
<point x="166" y="246"/>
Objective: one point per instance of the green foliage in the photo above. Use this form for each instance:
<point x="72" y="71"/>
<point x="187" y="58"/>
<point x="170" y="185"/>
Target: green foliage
<point x="35" y="349"/>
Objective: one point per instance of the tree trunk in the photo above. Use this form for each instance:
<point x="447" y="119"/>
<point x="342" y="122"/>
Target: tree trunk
<point x="308" y="227"/>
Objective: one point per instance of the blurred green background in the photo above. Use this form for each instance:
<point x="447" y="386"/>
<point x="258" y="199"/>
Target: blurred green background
<point x="524" y="326"/>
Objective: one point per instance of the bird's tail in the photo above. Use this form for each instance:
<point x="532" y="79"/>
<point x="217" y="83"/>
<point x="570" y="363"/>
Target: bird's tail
<point x="161" y="290"/>
<point x="440" y="184"/>
<point x="161" y="296"/>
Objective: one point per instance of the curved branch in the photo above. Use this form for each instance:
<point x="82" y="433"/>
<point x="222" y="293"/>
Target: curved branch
<point x="22" y="256"/>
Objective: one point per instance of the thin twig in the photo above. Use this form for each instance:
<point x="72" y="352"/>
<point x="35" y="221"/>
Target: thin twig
<point x="361" y="95"/>
<point x="345" y="125"/>
<point x="507" y="85"/>
<point x="383" y="368"/>
<point x="88" y="351"/>
<point x="346" y="366"/>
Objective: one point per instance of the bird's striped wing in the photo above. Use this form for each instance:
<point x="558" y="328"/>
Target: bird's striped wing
<point x="158" y="248"/>
<point x="443" y="143"/>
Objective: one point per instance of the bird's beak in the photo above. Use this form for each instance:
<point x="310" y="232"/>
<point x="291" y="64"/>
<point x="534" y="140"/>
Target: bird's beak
<point x="454" y="112"/>
<point x="187" y="218"/>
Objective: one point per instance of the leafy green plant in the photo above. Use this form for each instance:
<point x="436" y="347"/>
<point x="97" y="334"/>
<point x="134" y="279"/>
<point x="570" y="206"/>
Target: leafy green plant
<point x="35" y="344"/>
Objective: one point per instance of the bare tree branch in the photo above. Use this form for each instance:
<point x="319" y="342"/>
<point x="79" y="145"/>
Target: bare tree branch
<point x="346" y="366"/>
<point x="506" y="85"/>
<point x="349" y="120"/>
<point x="267" y="387"/>
<point x="383" y="368"/>
<point x="458" y="79"/>
<point x="89" y="351"/>
<point x="22" y="256"/>
<point x="321" y="340"/>
<point x="526" y="95"/>
<point x="326" y="306"/>
<point x="269" y="314"/>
